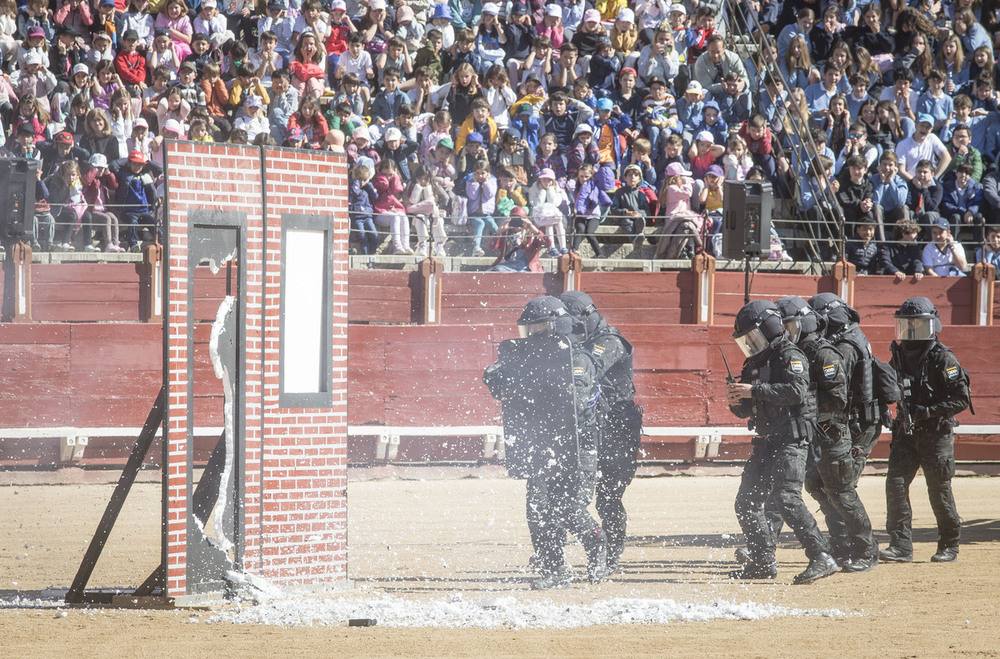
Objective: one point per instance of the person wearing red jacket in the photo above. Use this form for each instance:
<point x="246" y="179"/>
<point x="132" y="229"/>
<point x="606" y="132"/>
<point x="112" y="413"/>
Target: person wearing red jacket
<point x="130" y="64"/>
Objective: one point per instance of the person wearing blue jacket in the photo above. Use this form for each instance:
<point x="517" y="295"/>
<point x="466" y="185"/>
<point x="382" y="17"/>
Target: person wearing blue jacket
<point x="890" y="191"/>
<point x="609" y="124"/>
<point x="960" y="203"/>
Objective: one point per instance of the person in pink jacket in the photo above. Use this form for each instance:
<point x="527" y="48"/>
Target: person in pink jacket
<point x="390" y="210"/>
<point x="681" y="225"/>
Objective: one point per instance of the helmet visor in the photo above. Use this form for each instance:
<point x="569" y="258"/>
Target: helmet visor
<point x="538" y="327"/>
<point x="752" y="342"/>
<point x="794" y="329"/>
<point x="921" y="328"/>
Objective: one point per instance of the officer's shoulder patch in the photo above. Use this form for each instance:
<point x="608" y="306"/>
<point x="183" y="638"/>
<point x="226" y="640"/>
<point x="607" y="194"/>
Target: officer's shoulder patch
<point x="796" y="366"/>
<point x="952" y="372"/>
<point x="598" y="350"/>
<point x="577" y="370"/>
<point x="829" y="371"/>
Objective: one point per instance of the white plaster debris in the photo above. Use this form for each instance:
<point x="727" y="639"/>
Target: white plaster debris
<point x="222" y="325"/>
<point x="498" y="612"/>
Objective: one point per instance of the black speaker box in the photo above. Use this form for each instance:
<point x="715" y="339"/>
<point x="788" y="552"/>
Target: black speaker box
<point x="746" y="218"/>
<point x="17" y="197"/>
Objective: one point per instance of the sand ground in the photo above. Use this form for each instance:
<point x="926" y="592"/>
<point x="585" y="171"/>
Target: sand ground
<point x="431" y="537"/>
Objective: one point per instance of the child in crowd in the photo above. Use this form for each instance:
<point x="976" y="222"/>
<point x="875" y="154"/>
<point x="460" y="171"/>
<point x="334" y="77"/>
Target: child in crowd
<point x="630" y="207"/>
<point x="549" y="206"/>
<point x="470" y="156"/>
<point x="681" y="225"/>
<point x="390" y="210"/>
<point x="704" y="153"/>
<point x="990" y="253"/>
<point x="481" y="193"/>
<point x="903" y="256"/>
<point x="423" y="197"/>
<point x="961" y="201"/>
<point x="361" y="196"/>
<point x="863" y="251"/>
<point x="943" y="257"/>
<point x="736" y="162"/>
<point x="589" y="203"/>
<point x="480" y="122"/>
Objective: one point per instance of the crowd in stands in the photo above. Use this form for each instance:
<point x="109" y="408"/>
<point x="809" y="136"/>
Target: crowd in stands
<point x="528" y="124"/>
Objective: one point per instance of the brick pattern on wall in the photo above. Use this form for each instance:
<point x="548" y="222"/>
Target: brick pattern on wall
<point x="295" y="473"/>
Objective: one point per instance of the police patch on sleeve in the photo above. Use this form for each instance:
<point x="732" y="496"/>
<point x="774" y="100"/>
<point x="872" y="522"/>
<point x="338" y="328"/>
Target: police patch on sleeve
<point x="830" y="371"/>
<point x="796" y="366"/>
<point x="597" y="350"/>
<point x="577" y="371"/>
<point x="952" y="372"/>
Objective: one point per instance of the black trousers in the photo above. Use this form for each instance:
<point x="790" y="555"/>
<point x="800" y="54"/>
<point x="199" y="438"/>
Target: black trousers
<point x="776" y="467"/>
<point x="934" y="451"/>
<point x="621" y="429"/>
<point x="833" y="483"/>
<point x="557" y="502"/>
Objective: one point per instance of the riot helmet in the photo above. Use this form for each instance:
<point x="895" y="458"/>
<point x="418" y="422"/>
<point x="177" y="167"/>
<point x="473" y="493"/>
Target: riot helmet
<point x="917" y="320"/>
<point x="798" y="317"/>
<point x="582" y="308"/>
<point x="757" y="324"/>
<point x="545" y="315"/>
<point x="834" y="311"/>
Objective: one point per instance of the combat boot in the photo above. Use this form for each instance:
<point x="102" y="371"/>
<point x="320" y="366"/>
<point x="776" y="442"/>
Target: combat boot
<point x="596" y="546"/>
<point x="821" y="566"/>
<point x="945" y="555"/>
<point x="614" y="559"/>
<point x="754" y="570"/>
<point x="862" y="564"/>
<point x="895" y="555"/>
<point x="558" y="578"/>
<point x="742" y="555"/>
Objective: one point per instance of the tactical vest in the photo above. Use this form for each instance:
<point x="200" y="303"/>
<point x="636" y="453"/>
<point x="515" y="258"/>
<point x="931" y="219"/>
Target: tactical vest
<point x="860" y="397"/>
<point x="812" y="350"/>
<point x="798" y="421"/>
<point x="617" y="385"/>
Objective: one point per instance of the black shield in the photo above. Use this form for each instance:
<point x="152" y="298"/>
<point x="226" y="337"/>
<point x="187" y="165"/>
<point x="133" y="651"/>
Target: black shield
<point x="539" y="405"/>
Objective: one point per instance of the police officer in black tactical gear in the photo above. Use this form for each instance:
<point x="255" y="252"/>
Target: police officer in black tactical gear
<point x="620" y="419"/>
<point x="561" y="465"/>
<point x="843" y="331"/>
<point x="935" y="388"/>
<point x="830" y="476"/>
<point x="773" y="392"/>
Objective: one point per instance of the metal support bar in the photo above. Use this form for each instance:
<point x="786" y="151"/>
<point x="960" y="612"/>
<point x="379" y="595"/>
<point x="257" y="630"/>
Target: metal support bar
<point x="152" y="582"/>
<point x="132" y="467"/>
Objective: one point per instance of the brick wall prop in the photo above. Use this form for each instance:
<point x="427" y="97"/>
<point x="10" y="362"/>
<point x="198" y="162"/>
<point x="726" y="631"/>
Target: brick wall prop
<point x="291" y="462"/>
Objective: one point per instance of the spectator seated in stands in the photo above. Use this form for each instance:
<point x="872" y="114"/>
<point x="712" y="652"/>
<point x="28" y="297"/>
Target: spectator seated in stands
<point x="990" y="251"/>
<point x="903" y="256"/>
<point x="960" y="204"/>
<point x="518" y="244"/>
<point x="863" y="251"/>
<point x="943" y="257"/>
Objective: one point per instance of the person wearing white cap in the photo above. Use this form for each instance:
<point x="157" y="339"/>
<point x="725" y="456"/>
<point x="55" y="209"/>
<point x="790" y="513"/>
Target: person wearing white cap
<point x="549" y="206"/>
<point x="491" y="37"/>
<point x="213" y="24"/>
<point x="253" y="120"/>
<point x="35" y="79"/>
<point x="96" y="180"/>
<point x="624" y="34"/>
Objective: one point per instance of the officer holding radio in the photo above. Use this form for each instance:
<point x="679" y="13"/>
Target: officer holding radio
<point x="774" y="394"/>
